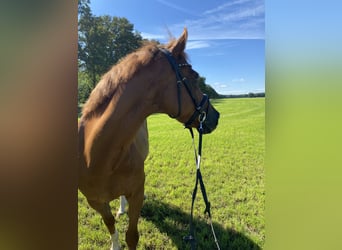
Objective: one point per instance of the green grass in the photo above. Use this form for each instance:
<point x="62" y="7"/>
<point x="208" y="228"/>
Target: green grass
<point x="233" y="171"/>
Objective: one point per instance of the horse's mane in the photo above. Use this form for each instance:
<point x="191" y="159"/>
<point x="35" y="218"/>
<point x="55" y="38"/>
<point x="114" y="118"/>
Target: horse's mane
<point x="112" y="81"/>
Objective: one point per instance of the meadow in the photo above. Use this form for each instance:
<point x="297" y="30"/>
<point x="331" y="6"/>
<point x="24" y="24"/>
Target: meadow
<point x="232" y="167"/>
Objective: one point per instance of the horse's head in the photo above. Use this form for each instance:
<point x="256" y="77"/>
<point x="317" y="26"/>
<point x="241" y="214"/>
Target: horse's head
<point x="184" y="100"/>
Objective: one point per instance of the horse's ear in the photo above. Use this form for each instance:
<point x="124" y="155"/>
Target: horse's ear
<point x="180" y="44"/>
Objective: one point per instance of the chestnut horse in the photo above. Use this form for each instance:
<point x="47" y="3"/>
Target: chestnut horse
<point x="113" y="138"/>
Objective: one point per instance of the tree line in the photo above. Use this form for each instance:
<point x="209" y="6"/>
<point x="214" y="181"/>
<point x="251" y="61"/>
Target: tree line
<point x="250" y="95"/>
<point x="102" y="42"/>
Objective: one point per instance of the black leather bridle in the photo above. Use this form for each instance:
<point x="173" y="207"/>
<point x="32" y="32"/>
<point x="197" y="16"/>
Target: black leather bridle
<point x="200" y="109"/>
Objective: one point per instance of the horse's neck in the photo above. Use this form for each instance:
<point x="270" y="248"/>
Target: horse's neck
<point x="126" y="113"/>
<point x="117" y="127"/>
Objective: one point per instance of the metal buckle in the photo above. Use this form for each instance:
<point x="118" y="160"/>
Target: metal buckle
<point x="202" y="117"/>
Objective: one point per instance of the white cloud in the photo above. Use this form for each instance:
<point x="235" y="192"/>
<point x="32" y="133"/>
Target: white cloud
<point x="176" y="7"/>
<point x="237" y="19"/>
<point x="259" y="90"/>
<point x="152" y="36"/>
<point x="224" y="6"/>
<point x="239" y="80"/>
<point x="219" y="84"/>
<point x="240" y="19"/>
<point x="243" y="14"/>
<point x="197" y="45"/>
<point x="236" y="92"/>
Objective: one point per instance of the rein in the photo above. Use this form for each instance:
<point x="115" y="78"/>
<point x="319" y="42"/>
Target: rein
<point x="191" y="238"/>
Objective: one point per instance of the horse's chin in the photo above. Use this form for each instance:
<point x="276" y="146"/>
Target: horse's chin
<point x="207" y="129"/>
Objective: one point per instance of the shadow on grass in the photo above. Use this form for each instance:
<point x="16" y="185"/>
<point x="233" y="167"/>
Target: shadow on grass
<point x="175" y="223"/>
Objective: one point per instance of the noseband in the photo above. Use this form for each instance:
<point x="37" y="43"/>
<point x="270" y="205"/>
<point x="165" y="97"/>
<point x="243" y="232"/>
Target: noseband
<point x="200" y="111"/>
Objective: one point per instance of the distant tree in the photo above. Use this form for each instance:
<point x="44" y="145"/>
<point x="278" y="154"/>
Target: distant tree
<point x="251" y="94"/>
<point x="83" y="7"/>
<point x="102" y="41"/>
<point x="206" y="88"/>
<point x="84" y="87"/>
<point x="262" y="94"/>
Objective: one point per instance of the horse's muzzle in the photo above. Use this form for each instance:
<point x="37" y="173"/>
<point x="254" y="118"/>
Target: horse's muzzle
<point x="211" y="120"/>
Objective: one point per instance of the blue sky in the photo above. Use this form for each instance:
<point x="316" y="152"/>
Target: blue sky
<point x="226" y="38"/>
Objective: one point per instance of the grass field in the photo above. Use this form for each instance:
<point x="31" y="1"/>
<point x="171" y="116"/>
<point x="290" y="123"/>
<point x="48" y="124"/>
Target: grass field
<point x="233" y="171"/>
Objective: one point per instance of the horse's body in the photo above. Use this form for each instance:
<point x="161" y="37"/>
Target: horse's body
<point x="113" y="137"/>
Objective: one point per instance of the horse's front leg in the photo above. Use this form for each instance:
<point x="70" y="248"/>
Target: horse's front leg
<point x="135" y="202"/>
<point x="108" y="218"/>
